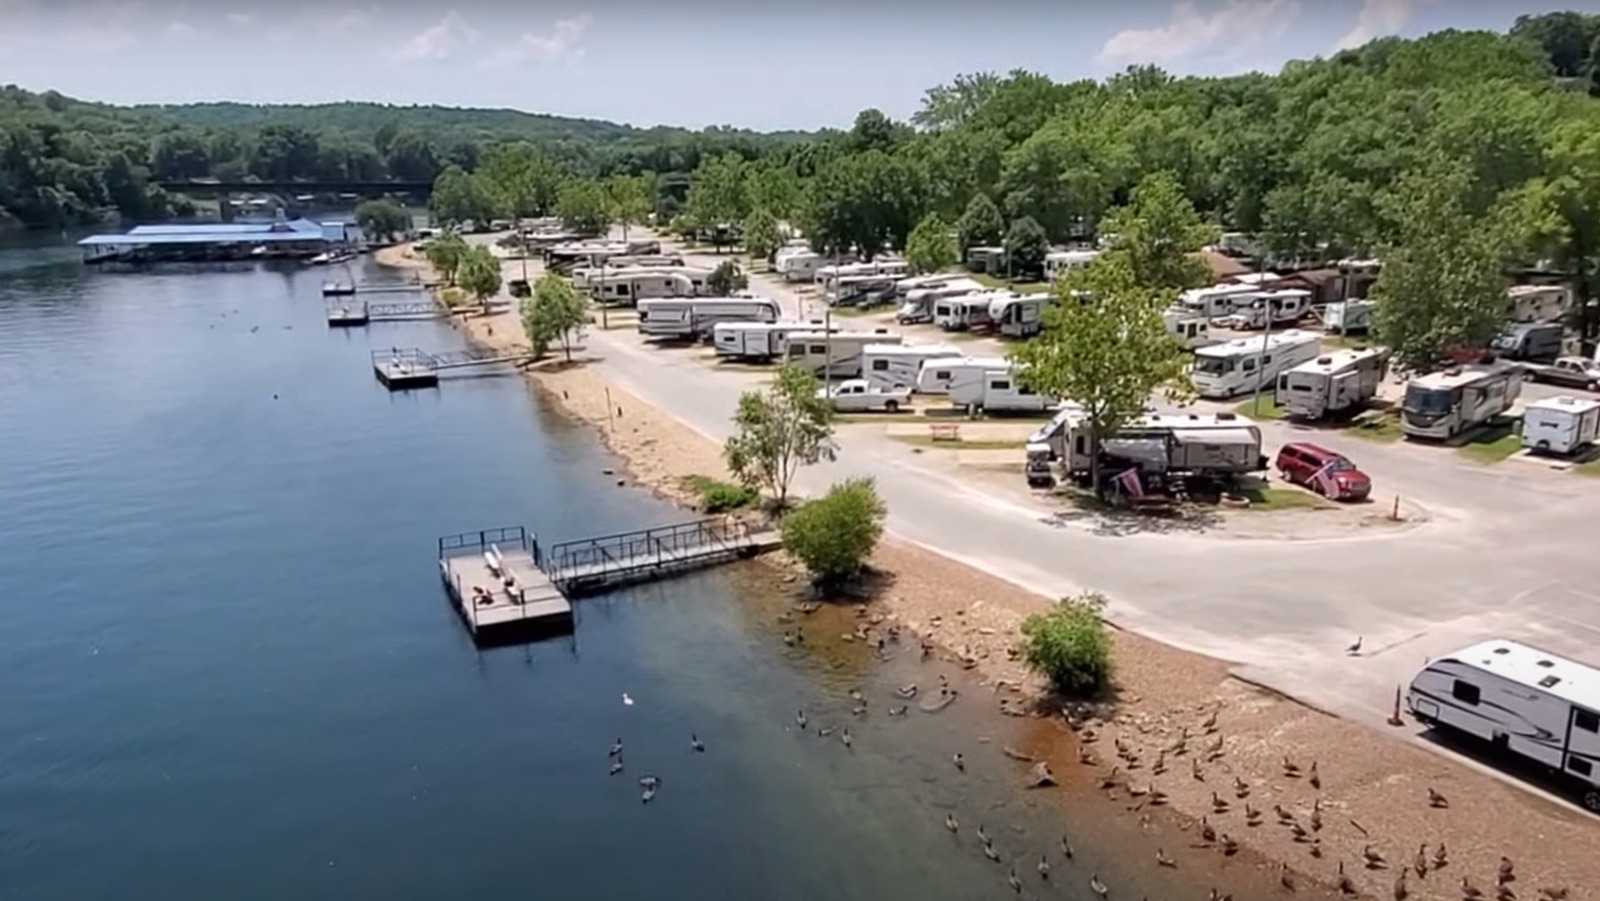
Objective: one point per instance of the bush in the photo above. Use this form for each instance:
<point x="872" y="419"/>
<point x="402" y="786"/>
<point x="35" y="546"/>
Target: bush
<point x="1069" y="645"/>
<point x="453" y="297"/>
<point x="721" y="497"/>
<point x="835" y="534"/>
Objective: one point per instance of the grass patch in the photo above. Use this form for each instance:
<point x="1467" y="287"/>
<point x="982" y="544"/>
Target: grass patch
<point x="720" y="497"/>
<point x="1590" y="469"/>
<point x="1266" y="498"/>
<point x="962" y="444"/>
<point x="1267" y="409"/>
<point x="1494" y="442"/>
<point x="1346" y="342"/>
<point x="1379" y="425"/>
<point x="863" y="311"/>
<point x="991" y="281"/>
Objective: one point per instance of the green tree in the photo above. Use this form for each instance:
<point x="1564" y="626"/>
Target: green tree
<point x="1069" y="645"/>
<point x="555" y="313"/>
<point x="726" y="279"/>
<point x="981" y="225"/>
<point x="866" y="201"/>
<point x="776" y="188"/>
<point x="382" y="218"/>
<point x="952" y="105"/>
<point x="584" y="206"/>
<point x="1026" y="247"/>
<point x="459" y="196"/>
<point x="835" y="534"/>
<point x="1105" y="346"/>
<point x="445" y="255"/>
<point x="479" y="273"/>
<point x="1157" y="233"/>
<point x="931" y="246"/>
<point x="630" y="200"/>
<point x="761" y="238"/>
<point x="717" y="191"/>
<point x="779" y="430"/>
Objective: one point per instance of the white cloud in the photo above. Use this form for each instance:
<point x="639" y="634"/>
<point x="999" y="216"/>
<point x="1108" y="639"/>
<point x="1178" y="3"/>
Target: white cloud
<point x="1234" y="29"/>
<point x="1378" y="18"/>
<point x="439" y="40"/>
<point x="562" y="40"/>
<point x="181" y="30"/>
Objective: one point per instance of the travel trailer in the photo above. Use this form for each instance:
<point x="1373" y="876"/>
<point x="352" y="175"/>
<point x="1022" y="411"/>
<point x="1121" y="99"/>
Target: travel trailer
<point x="1538" y="303"/>
<point x="1346" y="316"/>
<point x="1216" y="301"/>
<point x="996" y="391"/>
<point x="586" y="276"/>
<point x="1193" y="331"/>
<point x="826" y="276"/>
<point x="756" y="340"/>
<point x="798" y="264"/>
<point x="1060" y="262"/>
<point x="899" y="365"/>
<point x="564" y="258"/>
<point x="860" y="290"/>
<point x="1534" y="704"/>
<point x="1019" y="315"/>
<point x="966" y="311"/>
<point x="835" y="355"/>
<point x="936" y="376"/>
<point x="991" y="260"/>
<point x="695" y="318"/>
<point x="919" y="300"/>
<point x="1242" y="365"/>
<point x="1192" y="445"/>
<point x="1561" y="425"/>
<point x="626" y="287"/>
<point x="1442" y="405"/>
<point x="1282" y="307"/>
<point x="1335" y="383"/>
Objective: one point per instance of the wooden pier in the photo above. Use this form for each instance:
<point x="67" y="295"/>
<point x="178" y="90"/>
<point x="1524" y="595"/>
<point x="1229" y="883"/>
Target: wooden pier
<point x="408" y="367"/>
<point x="506" y="588"/>
<point x="348" y="311"/>
<point x="350" y="289"/>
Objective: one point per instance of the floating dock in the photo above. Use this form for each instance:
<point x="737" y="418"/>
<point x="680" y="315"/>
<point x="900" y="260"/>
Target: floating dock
<point x="408" y="367"/>
<point x="506" y="588"/>
<point x="349" y="289"/>
<point x="348" y="311"/>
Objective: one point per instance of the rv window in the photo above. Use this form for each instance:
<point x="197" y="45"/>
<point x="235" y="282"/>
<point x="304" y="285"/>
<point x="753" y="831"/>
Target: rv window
<point x="1266" y="359"/>
<point x="1587" y="720"/>
<point x="880" y="365"/>
<point x="1465" y="691"/>
<point x="1249" y="365"/>
<point x="1579" y="765"/>
<point x="999" y="385"/>
<point x="819" y="349"/>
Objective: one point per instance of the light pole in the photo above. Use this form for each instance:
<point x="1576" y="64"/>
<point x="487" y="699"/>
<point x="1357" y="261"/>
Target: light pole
<point x="1266" y="337"/>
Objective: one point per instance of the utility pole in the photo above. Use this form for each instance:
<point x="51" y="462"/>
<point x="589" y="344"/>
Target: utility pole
<point x="827" y="330"/>
<point x="1266" y="337"/>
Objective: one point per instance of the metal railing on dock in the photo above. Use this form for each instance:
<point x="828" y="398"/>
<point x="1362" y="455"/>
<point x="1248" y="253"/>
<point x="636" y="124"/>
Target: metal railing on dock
<point x="481" y="540"/>
<point x="593" y="563"/>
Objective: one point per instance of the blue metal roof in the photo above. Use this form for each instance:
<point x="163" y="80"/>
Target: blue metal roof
<point x="147" y="240"/>
<point x="294" y="230"/>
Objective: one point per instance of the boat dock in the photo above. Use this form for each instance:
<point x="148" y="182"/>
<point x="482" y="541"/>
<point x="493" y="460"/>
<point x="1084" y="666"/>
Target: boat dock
<point x="350" y="289"/>
<point x="505" y="586"/>
<point x="347" y="311"/>
<point x="409" y="367"/>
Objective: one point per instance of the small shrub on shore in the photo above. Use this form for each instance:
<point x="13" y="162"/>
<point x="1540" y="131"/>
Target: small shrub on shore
<point x="721" y="497"/>
<point x="836" y="533"/>
<point x="453" y="297"/>
<point x="1069" y="645"/>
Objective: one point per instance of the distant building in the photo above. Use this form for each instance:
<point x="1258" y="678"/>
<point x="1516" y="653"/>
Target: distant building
<point x="219" y="241"/>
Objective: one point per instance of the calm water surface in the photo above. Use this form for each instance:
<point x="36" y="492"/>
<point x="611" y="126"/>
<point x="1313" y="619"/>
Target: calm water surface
<point x="229" y="669"/>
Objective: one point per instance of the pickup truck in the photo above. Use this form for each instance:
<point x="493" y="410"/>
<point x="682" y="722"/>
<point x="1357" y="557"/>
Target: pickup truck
<point x="857" y="396"/>
<point x="1574" y="372"/>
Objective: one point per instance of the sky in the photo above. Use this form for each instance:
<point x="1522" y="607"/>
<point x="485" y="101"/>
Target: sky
<point x="694" y="63"/>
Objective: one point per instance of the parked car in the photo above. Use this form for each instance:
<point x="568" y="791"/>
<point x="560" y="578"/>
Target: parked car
<point x="859" y="396"/>
<point x="1329" y="474"/>
<point x="1573" y="372"/>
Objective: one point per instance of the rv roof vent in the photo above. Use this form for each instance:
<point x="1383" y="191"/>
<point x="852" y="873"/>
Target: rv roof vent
<point x="1226" y="417"/>
<point x="1549" y="681"/>
<point x="1546" y="663"/>
<point x="1453" y="370"/>
<point x="1324" y="361"/>
<point x="1502" y="650"/>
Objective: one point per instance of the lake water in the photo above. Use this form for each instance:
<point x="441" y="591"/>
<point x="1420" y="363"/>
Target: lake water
<point x="229" y="669"/>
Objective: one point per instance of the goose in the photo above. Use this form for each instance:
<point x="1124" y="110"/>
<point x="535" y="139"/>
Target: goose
<point x="1218" y="896"/>
<point x="1316" y="817"/>
<point x="1346" y="886"/>
<point x="855" y="694"/>
<point x="1284" y="816"/>
<point x="649" y="781"/>
<point x="1194" y="770"/>
<point x="1299" y="832"/>
<point x="1229" y="846"/>
<point x="1506" y="871"/>
<point x="800" y="719"/>
<point x="1013" y="881"/>
<point x="1066" y="848"/>
<point x="1137" y="792"/>
<point x="1400" y="888"/>
<point x="1163" y="860"/>
<point x="899" y="710"/>
<point x="1316" y="848"/>
<point x="950" y="822"/>
<point x="908" y="690"/>
<point x="1096" y="886"/>
<point x="1470" y="891"/>
<point x="1157" y="796"/>
<point x="626" y="700"/>
<point x="1440" y="857"/>
<point x="845" y="737"/>
<point x="1043" y="867"/>
<point x="1160" y="764"/>
<point x="1354" y="648"/>
<point x="1373" y="858"/>
<point x="959" y="761"/>
<point x="616" y="749"/>
<point x="1420" y="862"/>
<point x="1210" y="723"/>
<point x="1181" y="746"/>
<point x="696" y="743"/>
<point x="1252" y="817"/>
<point x="990" y="852"/>
<point x="1217" y="804"/>
<point x="1241" y="788"/>
<point x="1290" y="768"/>
<point x="824" y="731"/>
<point x="1554" y="894"/>
<point x="1285" y="878"/>
<point x="1435" y="799"/>
<point x="648" y="793"/>
<point x="1109" y="780"/>
<point x="1207" y="832"/>
<point x="616" y="766"/>
<point x="1316" y="778"/>
<point x="982" y="835"/>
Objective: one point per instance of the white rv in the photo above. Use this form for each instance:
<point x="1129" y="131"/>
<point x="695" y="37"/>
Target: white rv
<point x="996" y="391"/>
<point x="1344" y="316"/>
<point x="859" y="290"/>
<point x="1217" y="445"/>
<point x="1242" y="365"/>
<point x="695" y="319"/>
<point x="1338" y="382"/>
<point x="756" y="340"/>
<point x="826" y="276"/>
<point x="1561" y="425"/>
<point x="1059" y="262"/>
<point x="1215" y="301"/>
<point x="936" y="376"/>
<point x="1538" y="303"/>
<point x="1282" y="307"/>
<point x="1444" y="404"/>
<point x="800" y="263"/>
<point x="629" y="286"/>
<point x="1193" y="331"/>
<point x="965" y="311"/>
<point x="1518" y="698"/>
<point x="1019" y="315"/>
<point x="835" y="355"/>
<point x="899" y="365"/>
<point x="920" y="299"/>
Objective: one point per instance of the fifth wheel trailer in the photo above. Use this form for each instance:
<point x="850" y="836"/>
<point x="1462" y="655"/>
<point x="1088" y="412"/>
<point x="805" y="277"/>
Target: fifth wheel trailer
<point x="1339" y="382"/>
<point x="1532" y="703"/>
<point x="685" y="319"/>
<point x="1219" y="445"/>
<point x="836" y="354"/>
<point x="899" y="365"/>
<point x="756" y="340"/>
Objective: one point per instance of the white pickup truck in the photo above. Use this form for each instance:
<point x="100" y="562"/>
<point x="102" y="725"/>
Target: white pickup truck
<point x="1574" y="372"/>
<point x="858" y="396"/>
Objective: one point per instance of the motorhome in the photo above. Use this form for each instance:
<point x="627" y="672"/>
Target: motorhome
<point x="1538" y="303"/>
<point x="836" y="354"/>
<point x="899" y="365"/>
<point x="1244" y="364"/>
<point x="919" y="301"/>
<point x="936" y="376"/>
<point x="1444" y="404"/>
<point x="564" y="258"/>
<point x="1336" y="383"/>
<point x="1561" y="425"/>
<point x="757" y="340"/>
<point x="1538" y="342"/>
<point x="1059" y="262"/>
<point x="966" y="311"/>
<point x="685" y="319"/>
<point x="1346" y="316"/>
<point x="1019" y="315"/>
<point x="1277" y="308"/>
<point x="996" y="391"/>
<point x="827" y="276"/>
<point x="1216" y="301"/>
<point x="585" y="276"/>
<point x="1531" y="703"/>
<point x="1197" y="445"/>
<point x="991" y="260"/>
<point x="629" y="286"/>
<point x="860" y="290"/>
<point x="1193" y="331"/>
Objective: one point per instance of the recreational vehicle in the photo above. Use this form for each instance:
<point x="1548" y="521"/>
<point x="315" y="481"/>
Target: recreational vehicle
<point x="860" y="290"/>
<point x="899" y="365"/>
<point x="996" y="391"/>
<point x="965" y="311"/>
<point x="1216" y="301"/>
<point x="991" y="260"/>
<point x="1346" y="316"/>
<point x="1539" y="342"/>
<point x="1193" y="331"/>
<point x="1219" y="445"/>
<point x="920" y="300"/>
<point x="799" y="263"/>
<point x="1538" y="303"/>
<point x="827" y="276"/>
<point x="1532" y="703"/>
<point x="1561" y="425"/>
<point x="1060" y="262"/>
<point x="756" y="340"/>
<point x="1242" y="365"/>
<point x="1282" y="307"/>
<point x="1444" y="404"/>
<point x="691" y="319"/>
<point x="629" y="286"/>
<point x="1020" y="315"/>
<point x="1340" y="382"/>
<point x="833" y="355"/>
<point x="936" y="376"/>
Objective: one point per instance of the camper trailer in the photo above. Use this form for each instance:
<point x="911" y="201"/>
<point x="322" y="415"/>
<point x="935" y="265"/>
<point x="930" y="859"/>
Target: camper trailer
<point x="1242" y="365"/>
<point x="800" y="264"/>
<point x="991" y="260"/>
<point x="695" y="318"/>
<point x="1538" y="303"/>
<point x="1193" y="331"/>
<point x="585" y="277"/>
<point x="1347" y="316"/>
<point x="1192" y="445"/>
<point x="860" y="290"/>
<point x="899" y="365"/>
<point x="1561" y="425"/>
<point x="1336" y="383"/>
<point x="1059" y="262"/>
<point x="966" y="311"/>
<point x="1534" y="704"/>
<point x="835" y="355"/>
<point x="936" y="376"/>
<point x="919" y="301"/>
<point x="626" y="287"/>
<point x="1018" y="316"/>
<point x="827" y="276"/>
<point x="756" y="340"/>
<point x="1277" y="308"/>
<point x="1216" y="301"/>
<point x="996" y="391"/>
<point x="1442" y="405"/>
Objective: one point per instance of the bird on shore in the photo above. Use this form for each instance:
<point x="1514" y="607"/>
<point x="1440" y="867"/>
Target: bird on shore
<point x="1194" y="770"/>
<point x="899" y="710"/>
<point x="800" y="719"/>
<point x="1504" y="893"/>
<point x="1469" y="891"/>
<point x="1316" y="816"/>
<point x="1229" y="846"/>
<point x="1354" y="649"/>
<point x="1207" y="831"/>
<point x="1217" y="804"/>
<point x="1316" y="778"/>
<point x="1241" y="788"/>
<point x="1285" y="878"/>
<point x="1374" y="860"/>
<point x="1252" y="817"/>
<point x="907" y="691"/>
<point x="1299" y="832"/>
<point x="1346" y="885"/>
<point x="959" y="761"/>
<point x="696" y="743"/>
<point x="1163" y="860"/>
<point x="1215" y="895"/>
<point x="1290" y="768"/>
<point x="1013" y="881"/>
<point x="1435" y="799"/>
<point x="1066" y="848"/>
<point x="1043" y="867"/>
<point x="616" y="748"/>
<point x="1085" y="758"/>
<point x="1096" y="886"/>
<point x="1210" y="723"/>
<point x="1284" y="816"/>
<point x="1161" y="763"/>
<point x="1506" y="872"/>
<point x="950" y="823"/>
<point x="1400" y="888"/>
<point x="1420" y="862"/>
<point x="1440" y="857"/>
<point x="1109" y="780"/>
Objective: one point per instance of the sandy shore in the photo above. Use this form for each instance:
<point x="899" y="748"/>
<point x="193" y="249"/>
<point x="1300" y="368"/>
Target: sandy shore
<point x="1373" y="787"/>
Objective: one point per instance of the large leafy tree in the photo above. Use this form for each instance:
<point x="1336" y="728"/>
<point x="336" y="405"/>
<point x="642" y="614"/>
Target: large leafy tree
<point x="554" y="313"/>
<point x="981" y="225"/>
<point x="459" y="196"/>
<point x="1156" y="235"/>
<point x="931" y="246"/>
<point x="584" y="206"/>
<point x="630" y="200"/>
<point x="779" y="430"/>
<point x="479" y="273"/>
<point x="718" y="194"/>
<point x="866" y="201"/>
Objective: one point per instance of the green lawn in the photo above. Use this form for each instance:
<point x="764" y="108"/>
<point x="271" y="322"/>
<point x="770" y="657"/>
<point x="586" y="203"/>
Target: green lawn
<point x="1267" y="409"/>
<point x="1591" y="469"/>
<point x="1493" y="443"/>
<point x="1265" y="498"/>
<point x="990" y="281"/>
<point x="1383" y="426"/>
<point x="863" y="311"/>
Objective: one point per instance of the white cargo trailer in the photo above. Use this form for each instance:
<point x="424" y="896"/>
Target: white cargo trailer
<point x="1561" y="425"/>
<point x="1338" y="382"/>
<point x="899" y="365"/>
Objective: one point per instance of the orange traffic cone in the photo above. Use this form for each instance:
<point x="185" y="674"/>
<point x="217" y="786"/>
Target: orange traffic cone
<point x="1394" y="718"/>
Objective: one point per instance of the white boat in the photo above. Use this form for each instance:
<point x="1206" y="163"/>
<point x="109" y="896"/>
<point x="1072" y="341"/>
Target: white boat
<point x="320" y="259"/>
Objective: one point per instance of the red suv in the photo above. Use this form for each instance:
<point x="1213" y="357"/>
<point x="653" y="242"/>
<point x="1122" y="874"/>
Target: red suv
<point x="1329" y="474"/>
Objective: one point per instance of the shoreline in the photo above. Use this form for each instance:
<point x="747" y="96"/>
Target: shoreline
<point x="1374" y="786"/>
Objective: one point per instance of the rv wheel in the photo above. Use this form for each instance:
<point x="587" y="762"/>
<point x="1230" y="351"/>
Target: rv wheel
<point x="1591" y="800"/>
<point x="891" y="406"/>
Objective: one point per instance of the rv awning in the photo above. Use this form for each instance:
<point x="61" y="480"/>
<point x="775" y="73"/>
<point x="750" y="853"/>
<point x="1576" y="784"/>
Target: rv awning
<point x="1213" y="436"/>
